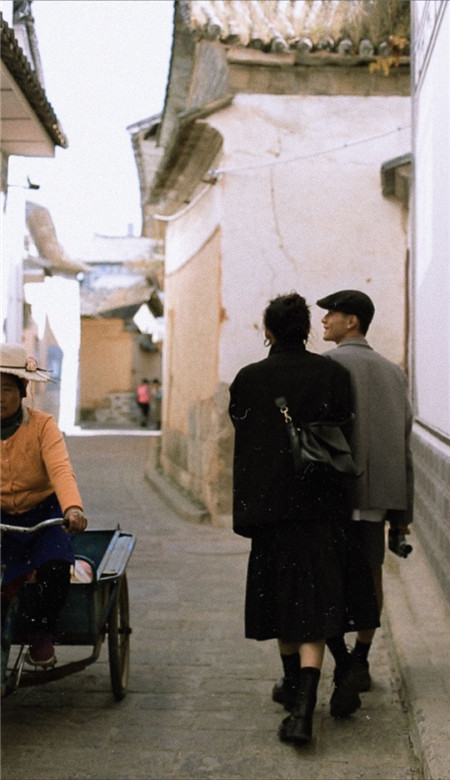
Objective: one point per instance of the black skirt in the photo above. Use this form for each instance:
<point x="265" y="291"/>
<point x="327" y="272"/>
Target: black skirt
<point x="307" y="581"/>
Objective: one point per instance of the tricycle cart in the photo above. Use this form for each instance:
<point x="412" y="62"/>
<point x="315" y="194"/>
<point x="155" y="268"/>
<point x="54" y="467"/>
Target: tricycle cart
<point x="93" y="610"/>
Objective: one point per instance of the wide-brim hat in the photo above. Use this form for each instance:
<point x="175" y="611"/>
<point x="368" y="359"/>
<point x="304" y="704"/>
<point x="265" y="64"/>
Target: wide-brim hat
<point x="14" y="360"/>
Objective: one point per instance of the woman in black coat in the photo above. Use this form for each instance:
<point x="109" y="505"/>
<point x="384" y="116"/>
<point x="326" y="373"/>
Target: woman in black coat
<point x="295" y="582"/>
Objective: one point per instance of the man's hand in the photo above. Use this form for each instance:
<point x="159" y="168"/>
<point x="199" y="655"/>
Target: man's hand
<point x="397" y="542"/>
<point x="75" y="520"/>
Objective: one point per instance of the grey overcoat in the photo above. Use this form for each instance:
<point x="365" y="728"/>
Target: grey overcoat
<point x="382" y="429"/>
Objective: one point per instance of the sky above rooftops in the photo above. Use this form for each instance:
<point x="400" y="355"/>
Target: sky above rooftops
<point x="105" y="65"/>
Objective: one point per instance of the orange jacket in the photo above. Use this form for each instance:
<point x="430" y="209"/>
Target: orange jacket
<point x="34" y="464"/>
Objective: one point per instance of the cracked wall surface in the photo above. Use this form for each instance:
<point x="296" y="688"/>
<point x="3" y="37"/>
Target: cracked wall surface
<point x="298" y="205"/>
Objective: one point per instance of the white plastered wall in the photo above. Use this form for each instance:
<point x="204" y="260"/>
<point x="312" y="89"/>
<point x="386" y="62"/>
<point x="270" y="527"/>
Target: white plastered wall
<point x="432" y="236"/>
<point x="302" y="208"/>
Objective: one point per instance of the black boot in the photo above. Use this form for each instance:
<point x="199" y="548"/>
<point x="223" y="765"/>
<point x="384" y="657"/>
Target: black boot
<point x="360" y="654"/>
<point x="297" y="728"/>
<point x="347" y="683"/>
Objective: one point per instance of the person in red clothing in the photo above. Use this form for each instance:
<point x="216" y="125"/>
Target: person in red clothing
<point x="143" y="401"/>
<point x="37" y="483"/>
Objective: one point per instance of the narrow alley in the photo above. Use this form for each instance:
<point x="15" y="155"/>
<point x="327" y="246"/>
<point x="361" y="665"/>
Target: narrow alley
<point x="199" y="700"/>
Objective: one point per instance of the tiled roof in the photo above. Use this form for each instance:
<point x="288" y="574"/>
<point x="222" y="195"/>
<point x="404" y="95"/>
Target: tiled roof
<point x="118" y="249"/>
<point x="359" y="27"/>
<point x="17" y="64"/>
<point x="197" y="147"/>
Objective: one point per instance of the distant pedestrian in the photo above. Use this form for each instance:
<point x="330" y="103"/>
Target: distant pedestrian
<point x="295" y="582"/>
<point x="380" y="442"/>
<point x="143" y="401"/>
<point x="155" y="403"/>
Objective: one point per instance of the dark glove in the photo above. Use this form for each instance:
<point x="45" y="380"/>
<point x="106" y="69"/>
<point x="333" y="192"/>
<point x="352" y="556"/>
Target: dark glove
<point x="398" y="544"/>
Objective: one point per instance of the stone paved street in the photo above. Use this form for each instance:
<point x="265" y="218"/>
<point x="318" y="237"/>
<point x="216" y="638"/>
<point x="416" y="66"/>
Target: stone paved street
<point x="198" y="704"/>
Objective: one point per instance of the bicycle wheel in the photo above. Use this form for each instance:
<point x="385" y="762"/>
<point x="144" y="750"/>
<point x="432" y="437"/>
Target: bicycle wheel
<point x="119" y="640"/>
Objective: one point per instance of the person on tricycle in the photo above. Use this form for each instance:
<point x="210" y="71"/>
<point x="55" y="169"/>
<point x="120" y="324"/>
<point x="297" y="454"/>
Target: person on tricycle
<point x="37" y="483"/>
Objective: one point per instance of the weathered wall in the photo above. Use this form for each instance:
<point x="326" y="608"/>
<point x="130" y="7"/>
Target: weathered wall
<point x="299" y="206"/>
<point x="196" y="437"/>
<point x="254" y="72"/>
<point x="302" y="209"/>
<point x="101" y="372"/>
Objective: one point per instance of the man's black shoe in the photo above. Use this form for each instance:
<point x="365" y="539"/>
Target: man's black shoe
<point x="361" y="672"/>
<point x="345" y="699"/>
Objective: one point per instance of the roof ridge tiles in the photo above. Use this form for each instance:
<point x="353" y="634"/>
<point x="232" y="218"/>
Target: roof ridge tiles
<point x="308" y="25"/>
<point x="18" y="65"/>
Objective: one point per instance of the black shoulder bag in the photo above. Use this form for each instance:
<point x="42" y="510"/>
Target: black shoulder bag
<point x="318" y="442"/>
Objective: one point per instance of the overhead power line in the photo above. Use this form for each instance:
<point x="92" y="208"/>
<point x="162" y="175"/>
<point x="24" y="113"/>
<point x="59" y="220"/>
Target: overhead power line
<point x="216" y="172"/>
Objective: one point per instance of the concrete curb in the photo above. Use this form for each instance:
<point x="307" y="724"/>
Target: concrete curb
<point x="169" y="491"/>
<point x="417" y="619"/>
<point x="174" y="497"/>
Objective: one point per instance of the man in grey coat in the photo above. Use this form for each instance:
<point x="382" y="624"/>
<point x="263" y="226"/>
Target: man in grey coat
<point x="380" y="443"/>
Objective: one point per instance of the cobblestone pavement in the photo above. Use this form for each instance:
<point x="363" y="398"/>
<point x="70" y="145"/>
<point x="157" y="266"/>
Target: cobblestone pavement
<point x="198" y="704"/>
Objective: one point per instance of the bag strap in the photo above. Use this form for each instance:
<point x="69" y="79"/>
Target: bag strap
<point x="281" y="403"/>
<point x="293" y="434"/>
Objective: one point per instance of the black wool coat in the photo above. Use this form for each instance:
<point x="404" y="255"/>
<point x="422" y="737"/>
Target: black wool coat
<point x="266" y="489"/>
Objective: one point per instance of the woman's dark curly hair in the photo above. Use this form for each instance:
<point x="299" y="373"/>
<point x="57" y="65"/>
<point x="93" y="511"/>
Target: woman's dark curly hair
<point x="288" y="319"/>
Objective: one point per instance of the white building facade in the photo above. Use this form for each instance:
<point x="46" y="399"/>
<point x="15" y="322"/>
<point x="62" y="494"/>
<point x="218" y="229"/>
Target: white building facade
<point x="431" y="281"/>
<point x="263" y="175"/>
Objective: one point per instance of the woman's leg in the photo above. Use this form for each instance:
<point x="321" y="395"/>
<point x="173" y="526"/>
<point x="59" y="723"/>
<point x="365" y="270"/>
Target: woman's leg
<point x="311" y="654"/>
<point x="42" y="601"/>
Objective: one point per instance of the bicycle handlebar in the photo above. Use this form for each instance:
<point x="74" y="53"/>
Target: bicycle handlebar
<point x="38" y="527"/>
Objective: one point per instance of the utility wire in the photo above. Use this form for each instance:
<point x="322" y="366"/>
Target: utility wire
<point x="216" y="172"/>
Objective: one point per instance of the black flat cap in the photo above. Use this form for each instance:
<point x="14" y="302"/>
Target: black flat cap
<point x="350" y="302"/>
